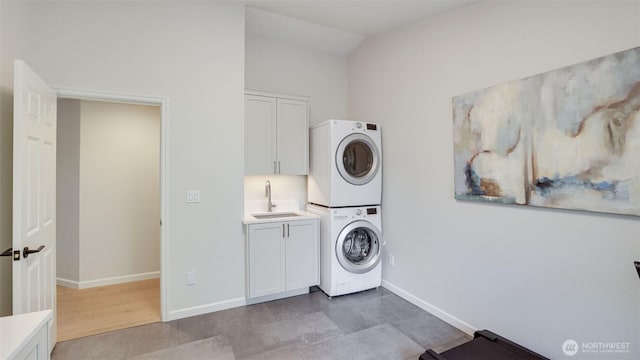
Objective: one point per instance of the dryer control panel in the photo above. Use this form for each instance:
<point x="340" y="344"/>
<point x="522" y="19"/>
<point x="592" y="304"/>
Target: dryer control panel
<point x="365" y="126"/>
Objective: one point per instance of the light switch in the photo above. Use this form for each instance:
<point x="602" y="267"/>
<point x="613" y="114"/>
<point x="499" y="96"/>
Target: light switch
<point x="193" y="196"/>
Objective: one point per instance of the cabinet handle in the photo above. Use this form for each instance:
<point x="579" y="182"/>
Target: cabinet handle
<point x="278" y="166"/>
<point x="283" y="230"/>
<point x="287" y="230"/>
<point x="275" y="167"/>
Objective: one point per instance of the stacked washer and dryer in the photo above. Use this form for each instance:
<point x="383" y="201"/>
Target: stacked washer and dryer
<point x="345" y="190"/>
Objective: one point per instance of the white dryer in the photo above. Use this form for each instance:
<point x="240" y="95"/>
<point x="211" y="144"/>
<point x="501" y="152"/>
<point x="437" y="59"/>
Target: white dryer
<point x="345" y="164"/>
<point x="350" y="248"/>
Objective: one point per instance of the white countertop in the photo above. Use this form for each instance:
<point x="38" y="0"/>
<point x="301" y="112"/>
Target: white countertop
<point x="17" y="330"/>
<point x="302" y="215"/>
<point x="281" y="206"/>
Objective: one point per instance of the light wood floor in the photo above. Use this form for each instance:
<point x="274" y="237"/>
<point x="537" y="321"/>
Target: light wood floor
<point x="101" y="309"/>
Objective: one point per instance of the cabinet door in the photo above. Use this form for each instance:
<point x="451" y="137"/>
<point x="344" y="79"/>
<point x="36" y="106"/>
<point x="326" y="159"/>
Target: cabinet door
<point x="303" y="254"/>
<point x="266" y="259"/>
<point x="260" y="135"/>
<point x="38" y="347"/>
<point x="293" y="137"/>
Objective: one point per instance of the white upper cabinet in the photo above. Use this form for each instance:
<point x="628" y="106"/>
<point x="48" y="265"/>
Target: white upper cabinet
<point x="276" y="134"/>
<point x="259" y="135"/>
<point x="292" y="150"/>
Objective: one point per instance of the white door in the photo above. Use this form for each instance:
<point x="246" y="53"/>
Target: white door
<point x="34" y="194"/>
<point x="302" y="254"/>
<point x="293" y="137"/>
<point x="260" y="136"/>
<point x="266" y="259"/>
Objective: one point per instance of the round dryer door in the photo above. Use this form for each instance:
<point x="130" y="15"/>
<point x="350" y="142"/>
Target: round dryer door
<point x="357" y="159"/>
<point x="359" y="247"/>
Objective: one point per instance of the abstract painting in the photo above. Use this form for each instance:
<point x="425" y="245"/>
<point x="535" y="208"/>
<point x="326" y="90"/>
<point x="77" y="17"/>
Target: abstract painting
<point x="568" y="138"/>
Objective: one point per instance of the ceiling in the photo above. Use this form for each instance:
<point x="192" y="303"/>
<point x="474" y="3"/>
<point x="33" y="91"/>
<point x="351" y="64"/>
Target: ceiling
<point x="337" y="26"/>
<point x="361" y="17"/>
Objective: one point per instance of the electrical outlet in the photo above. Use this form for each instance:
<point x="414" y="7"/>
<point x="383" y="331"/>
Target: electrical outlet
<point x="193" y="196"/>
<point x="191" y="278"/>
<point x="392" y="260"/>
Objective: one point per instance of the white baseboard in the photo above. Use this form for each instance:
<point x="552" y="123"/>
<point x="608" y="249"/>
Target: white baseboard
<point x="107" y="281"/>
<point x="434" y="310"/>
<point x="68" y="283"/>
<point x="204" y="309"/>
<point x="277" y="296"/>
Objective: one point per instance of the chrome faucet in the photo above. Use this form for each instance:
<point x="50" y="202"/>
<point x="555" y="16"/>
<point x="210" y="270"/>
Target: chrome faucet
<point x="267" y="193"/>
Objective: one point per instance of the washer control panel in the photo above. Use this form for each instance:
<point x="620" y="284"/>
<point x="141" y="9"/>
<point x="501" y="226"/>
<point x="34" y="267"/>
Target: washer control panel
<point x="355" y="213"/>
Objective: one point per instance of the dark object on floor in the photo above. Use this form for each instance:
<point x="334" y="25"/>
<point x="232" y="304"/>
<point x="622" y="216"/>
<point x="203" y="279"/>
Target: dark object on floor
<point x="485" y="346"/>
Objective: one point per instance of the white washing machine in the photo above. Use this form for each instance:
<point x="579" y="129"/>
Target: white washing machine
<point x="350" y="248"/>
<point x="345" y="164"/>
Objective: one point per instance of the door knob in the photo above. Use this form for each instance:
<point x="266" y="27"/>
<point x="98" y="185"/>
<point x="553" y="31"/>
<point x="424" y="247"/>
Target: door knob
<point x="26" y="251"/>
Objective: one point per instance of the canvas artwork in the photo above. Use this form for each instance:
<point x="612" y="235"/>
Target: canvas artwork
<point x="568" y="138"/>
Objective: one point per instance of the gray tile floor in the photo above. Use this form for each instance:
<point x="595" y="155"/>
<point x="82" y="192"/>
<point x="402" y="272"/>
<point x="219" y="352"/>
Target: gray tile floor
<point x="374" y="324"/>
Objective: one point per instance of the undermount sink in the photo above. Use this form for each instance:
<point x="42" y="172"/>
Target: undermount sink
<point x="274" y="215"/>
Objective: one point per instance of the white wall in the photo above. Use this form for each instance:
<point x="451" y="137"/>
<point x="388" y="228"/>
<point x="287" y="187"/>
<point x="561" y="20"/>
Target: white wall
<point x="6" y="200"/>
<point x="279" y="67"/>
<point x="68" y="190"/>
<point x="537" y="276"/>
<point x="191" y="53"/>
<point x="119" y="190"/>
<point x="276" y="66"/>
<point x="108" y="209"/>
<point x="6" y="168"/>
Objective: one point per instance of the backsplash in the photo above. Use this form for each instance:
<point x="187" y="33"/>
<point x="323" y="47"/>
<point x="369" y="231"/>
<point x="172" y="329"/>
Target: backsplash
<point x="283" y="188"/>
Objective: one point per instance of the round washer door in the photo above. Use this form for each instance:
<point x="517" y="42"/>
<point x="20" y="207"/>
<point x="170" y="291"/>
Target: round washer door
<point x="357" y="159"/>
<point x="359" y="247"/>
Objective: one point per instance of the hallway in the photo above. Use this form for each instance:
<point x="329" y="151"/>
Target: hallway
<point x="106" y="308"/>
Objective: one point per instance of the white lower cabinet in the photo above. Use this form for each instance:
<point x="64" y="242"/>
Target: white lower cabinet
<point x="25" y="336"/>
<point x="266" y="259"/>
<point x="282" y="258"/>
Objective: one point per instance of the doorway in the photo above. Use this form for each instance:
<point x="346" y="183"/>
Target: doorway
<point x="110" y="202"/>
